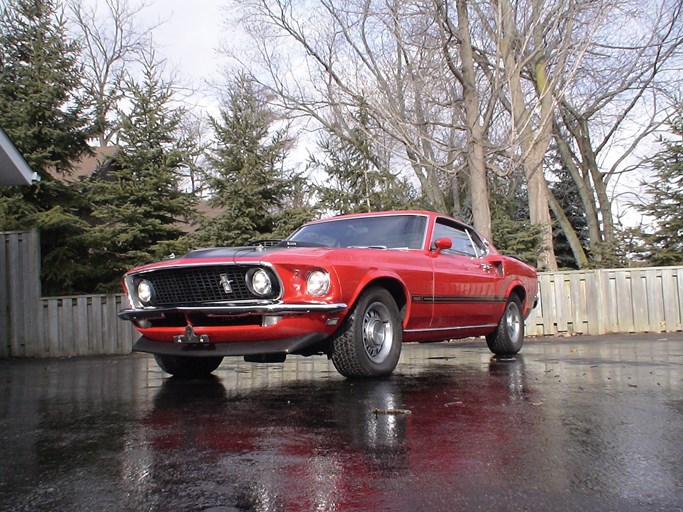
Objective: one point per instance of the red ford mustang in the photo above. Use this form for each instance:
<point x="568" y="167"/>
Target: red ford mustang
<point x="353" y="287"/>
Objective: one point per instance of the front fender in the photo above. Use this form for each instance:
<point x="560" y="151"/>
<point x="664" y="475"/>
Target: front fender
<point x="388" y="280"/>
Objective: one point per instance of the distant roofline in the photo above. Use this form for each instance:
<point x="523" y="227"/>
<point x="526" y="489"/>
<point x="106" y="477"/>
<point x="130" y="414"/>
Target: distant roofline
<point x="13" y="168"/>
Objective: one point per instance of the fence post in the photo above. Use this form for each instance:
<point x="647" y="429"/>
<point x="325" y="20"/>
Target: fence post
<point x="20" y="280"/>
<point x="4" y="298"/>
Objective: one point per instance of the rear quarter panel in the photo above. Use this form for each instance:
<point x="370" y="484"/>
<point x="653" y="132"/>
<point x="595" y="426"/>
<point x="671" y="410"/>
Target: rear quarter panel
<point x="524" y="275"/>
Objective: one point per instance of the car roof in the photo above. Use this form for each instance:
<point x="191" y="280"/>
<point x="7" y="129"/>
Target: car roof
<point x="374" y="214"/>
<point x="426" y="213"/>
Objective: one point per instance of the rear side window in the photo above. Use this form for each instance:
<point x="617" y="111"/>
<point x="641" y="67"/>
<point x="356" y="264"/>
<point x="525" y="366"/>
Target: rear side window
<point x="462" y="243"/>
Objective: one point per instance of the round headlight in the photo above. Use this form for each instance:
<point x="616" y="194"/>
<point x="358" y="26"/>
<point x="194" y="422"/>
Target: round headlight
<point x="318" y="283"/>
<point x="261" y="284"/>
<point x="145" y="291"/>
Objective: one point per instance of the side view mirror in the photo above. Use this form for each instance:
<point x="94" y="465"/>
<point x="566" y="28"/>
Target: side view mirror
<point x="442" y="244"/>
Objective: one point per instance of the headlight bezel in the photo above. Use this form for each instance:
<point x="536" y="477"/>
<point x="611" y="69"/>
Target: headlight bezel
<point x="145" y="296"/>
<point x="318" y="283"/>
<point x="262" y="283"/>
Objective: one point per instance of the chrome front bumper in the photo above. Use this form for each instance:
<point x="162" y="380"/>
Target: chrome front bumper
<point x="250" y="309"/>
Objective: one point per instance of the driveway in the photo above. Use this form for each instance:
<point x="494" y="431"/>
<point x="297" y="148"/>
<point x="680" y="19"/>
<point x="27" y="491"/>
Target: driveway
<point x="584" y="423"/>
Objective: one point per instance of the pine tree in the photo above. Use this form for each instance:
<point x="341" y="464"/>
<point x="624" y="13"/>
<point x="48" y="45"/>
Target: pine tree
<point x="139" y="203"/>
<point x="513" y="232"/>
<point x="354" y="180"/>
<point x="39" y="83"/>
<point x="41" y="112"/>
<point x="248" y="181"/>
<point x="663" y="242"/>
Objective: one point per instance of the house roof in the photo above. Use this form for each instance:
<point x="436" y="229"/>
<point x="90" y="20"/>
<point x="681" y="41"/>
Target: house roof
<point x="88" y="165"/>
<point x="13" y="168"/>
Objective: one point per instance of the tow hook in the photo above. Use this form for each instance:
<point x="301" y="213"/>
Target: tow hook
<point x="190" y="337"/>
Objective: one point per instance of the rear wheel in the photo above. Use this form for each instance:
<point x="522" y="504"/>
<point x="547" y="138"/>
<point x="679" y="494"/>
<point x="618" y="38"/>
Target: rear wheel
<point x="508" y="337"/>
<point x="188" y="367"/>
<point x="369" y="344"/>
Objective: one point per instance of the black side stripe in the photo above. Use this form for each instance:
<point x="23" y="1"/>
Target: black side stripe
<point x="456" y="300"/>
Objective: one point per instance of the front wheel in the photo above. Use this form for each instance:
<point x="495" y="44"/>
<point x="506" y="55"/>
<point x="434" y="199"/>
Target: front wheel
<point x="369" y="343"/>
<point x="508" y="337"/>
<point x="188" y="367"/>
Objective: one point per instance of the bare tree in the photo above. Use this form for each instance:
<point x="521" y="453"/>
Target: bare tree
<point x="617" y="102"/>
<point x="111" y="41"/>
<point x="195" y="129"/>
<point x="386" y="56"/>
<point x="456" y="90"/>
<point x="539" y="44"/>
<point x="478" y="111"/>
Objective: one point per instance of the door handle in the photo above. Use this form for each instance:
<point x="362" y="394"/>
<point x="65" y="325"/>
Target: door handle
<point x="486" y="266"/>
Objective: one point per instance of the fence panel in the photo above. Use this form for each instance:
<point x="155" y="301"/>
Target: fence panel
<point x="609" y="301"/>
<point x="83" y="325"/>
<point x="20" y="290"/>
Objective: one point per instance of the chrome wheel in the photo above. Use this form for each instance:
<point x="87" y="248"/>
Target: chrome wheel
<point x="508" y="337"/>
<point x="368" y="344"/>
<point x="513" y="320"/>
<point x="378" y="332"/>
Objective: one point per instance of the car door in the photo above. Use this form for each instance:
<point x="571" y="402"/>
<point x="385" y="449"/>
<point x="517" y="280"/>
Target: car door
<point x="465" y="284"/>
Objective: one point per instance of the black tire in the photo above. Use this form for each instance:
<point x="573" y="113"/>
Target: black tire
<point x="188" y="367"/>
<point x="508" y="337"/>
<point x="369" y="342"/>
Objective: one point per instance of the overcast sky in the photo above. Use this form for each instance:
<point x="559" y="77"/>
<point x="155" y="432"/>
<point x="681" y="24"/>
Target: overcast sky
<point x="189" y="37"/>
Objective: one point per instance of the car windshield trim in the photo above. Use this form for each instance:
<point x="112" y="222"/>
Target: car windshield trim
<point x="400" y="231"/>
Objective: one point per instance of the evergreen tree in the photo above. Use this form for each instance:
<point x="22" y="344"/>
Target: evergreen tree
<point x="297" y="208"/>
<point x="513" y="232"/>
<point x="663" y="242"/>
<point x="567" y="195"/>
<point x="247" y="181"/>
<point x="139" y="203"/>
<point x="39" y="83"/>
<point x="41" y="112"/>
<point x="354" y="180"/>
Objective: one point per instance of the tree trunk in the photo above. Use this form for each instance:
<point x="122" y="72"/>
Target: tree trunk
<point x="532" y="144"/>
<point x="479" y="193"/>
<point x="583" y="186"/>
<point x="604" y="204"/>
<point x="569" y="231"/>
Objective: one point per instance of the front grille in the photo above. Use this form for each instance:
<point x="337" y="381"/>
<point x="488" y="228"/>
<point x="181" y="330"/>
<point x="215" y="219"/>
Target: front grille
<point x="196" y="285"/>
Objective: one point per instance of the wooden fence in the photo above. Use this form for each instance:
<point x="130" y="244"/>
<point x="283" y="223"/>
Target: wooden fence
<point x="82" y="325"/>
<point x="609" y="301"/>
<point x="19" y="290"/>
<point x="576" y="302"/>
<point x="35" y="326"/>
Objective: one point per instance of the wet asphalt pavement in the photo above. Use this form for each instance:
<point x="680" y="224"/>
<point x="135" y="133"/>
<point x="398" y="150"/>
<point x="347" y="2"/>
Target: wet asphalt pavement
<point x="570" y="424"/>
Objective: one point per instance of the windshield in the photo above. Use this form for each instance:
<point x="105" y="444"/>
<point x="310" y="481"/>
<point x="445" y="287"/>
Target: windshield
<point x="382" y="232"/>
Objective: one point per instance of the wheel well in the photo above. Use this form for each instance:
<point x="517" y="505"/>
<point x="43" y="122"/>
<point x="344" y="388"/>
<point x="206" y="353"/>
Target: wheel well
<point x="520" y="292"/>
<point x="395" y="289"/>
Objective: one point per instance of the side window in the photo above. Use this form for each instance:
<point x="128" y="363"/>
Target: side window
<point x="479" y="244"/>
<point x="462" y="244"/>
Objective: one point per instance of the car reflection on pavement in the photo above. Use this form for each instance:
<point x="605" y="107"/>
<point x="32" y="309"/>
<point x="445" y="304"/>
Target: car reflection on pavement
<point x="331" y="445"/>
<point x="576" y="425"/>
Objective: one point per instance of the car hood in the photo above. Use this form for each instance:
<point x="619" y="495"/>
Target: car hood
<point x="230" y="254"/>
<point x="223" y="253"/>
<point x="256" y="251"/>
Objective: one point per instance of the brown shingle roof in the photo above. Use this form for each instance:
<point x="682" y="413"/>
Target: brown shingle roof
<point x="89" y="164"/>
